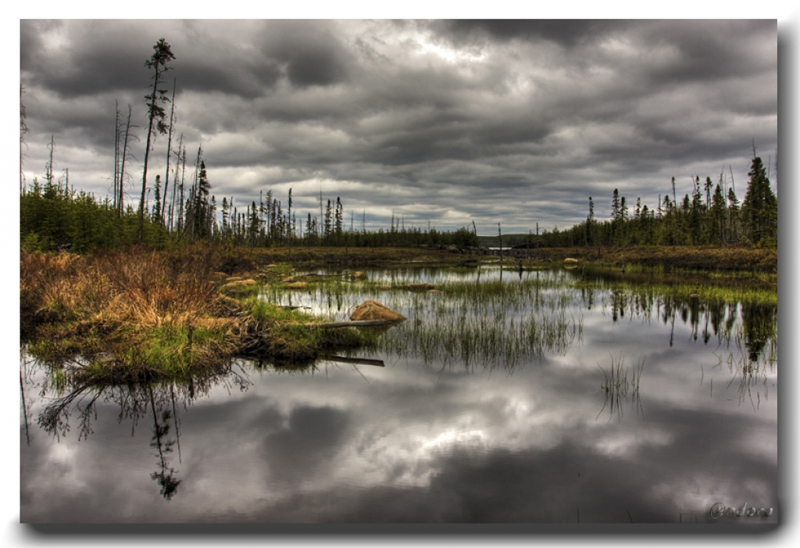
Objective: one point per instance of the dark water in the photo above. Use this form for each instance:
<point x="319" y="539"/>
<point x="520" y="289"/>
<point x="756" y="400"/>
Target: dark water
<point x="421" y="440"/>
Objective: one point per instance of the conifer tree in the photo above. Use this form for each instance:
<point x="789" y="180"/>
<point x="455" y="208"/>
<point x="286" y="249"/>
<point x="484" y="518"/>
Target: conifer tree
<point x="760" y="206"/>
<point x="155" y="113"/>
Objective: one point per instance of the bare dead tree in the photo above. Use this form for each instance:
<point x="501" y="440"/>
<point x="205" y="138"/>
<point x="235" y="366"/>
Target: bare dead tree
<point x="169" y="148"/>
<point x="123" y="157"/>
<point x="23" y="129"/>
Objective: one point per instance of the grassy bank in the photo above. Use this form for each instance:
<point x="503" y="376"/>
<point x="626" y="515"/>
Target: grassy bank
<point x="142" y="315"/>
<point x="731" y="259"/>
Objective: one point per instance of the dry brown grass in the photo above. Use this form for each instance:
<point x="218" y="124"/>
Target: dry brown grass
<point x="134" y="288"/>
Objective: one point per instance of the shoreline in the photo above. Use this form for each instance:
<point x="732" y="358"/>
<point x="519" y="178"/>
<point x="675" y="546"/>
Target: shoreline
<point x="141" y="315"/>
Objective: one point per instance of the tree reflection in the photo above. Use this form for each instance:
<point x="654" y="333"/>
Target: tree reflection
<point x="759" y="328"/>
<point x="165" y="476"/>
<point x="135" y="402"/>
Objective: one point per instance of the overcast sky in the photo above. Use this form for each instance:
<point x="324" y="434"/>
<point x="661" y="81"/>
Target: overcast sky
<point x="443" y="121"/>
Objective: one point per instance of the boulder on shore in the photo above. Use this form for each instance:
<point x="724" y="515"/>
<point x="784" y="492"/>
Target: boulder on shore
<point x="373" y="310"/>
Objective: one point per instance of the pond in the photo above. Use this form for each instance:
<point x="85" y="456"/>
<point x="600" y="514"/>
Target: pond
<point x="548" y="396"/>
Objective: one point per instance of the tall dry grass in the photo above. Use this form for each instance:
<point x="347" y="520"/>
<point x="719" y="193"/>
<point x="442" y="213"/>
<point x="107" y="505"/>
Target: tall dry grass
<point x="150" y="312"/>
<point x="135" y="287"/>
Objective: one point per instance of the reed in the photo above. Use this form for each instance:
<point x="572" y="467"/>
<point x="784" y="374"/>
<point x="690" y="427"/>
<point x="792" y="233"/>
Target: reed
<point x="616" y="380"/>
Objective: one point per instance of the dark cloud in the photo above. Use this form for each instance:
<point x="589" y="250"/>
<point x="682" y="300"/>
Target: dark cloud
<point x="711" y="50"/>
<point x="310" y="50"/>
<point x="564" y="32"/>
<point x="307" y="445"/>
<point x="84" y="57"/>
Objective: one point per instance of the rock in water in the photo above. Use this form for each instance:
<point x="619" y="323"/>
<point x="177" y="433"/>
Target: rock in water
<point x="373" y="310"/>
<point x="421" y="286"/>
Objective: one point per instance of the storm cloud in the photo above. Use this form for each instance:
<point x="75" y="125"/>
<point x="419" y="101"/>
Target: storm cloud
<point x="439" y="121"/>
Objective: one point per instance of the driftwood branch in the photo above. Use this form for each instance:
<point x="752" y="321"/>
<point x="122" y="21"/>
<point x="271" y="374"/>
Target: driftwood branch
<point x="356" y="361"/>
<point x="351" y="323"/>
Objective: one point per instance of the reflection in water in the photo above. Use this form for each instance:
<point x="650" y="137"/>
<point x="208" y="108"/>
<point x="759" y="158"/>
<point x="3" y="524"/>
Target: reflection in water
<point x="414" y="438"/>
<point x="614" y="402"/>
<point x="759" y="328"/>
<point x="134" y="403"/>
<point x="165" y="476"/>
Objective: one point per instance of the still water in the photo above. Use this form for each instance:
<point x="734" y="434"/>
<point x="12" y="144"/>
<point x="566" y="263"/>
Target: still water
<point x="492" y="405"/>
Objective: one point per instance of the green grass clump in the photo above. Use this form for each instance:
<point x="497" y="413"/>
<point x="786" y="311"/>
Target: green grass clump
<point x="131" y="354"/>
<point x="263" y="311"/>
<point x="295" y="344"/>
<point x="172" y="350"/>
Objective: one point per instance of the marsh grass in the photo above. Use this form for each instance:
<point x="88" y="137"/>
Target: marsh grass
<point x="687" y="290"/>
<point x="617" y="387"/>
<point x="491" y="323"/>
<point x="493" y="341"/>
<point x="475" y="317"/>
<point x="616" y="378"/>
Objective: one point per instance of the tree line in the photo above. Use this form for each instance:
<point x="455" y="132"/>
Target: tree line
<point x="707" y="216"/>
<point x="54" y="216"/>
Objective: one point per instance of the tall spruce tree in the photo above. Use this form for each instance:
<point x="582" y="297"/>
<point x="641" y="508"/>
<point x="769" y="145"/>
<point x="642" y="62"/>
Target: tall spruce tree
<point x="155" y="113"/>
<point x="760" y="206"/>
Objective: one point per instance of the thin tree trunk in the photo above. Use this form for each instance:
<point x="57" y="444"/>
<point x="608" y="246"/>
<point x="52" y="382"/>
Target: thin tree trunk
<point x="147" y="156"/>
<point x="49" y="175"/>
<point x="181" y="225"/>
<point x="175" y="186"/>
<point x="122" y="164"/>
<point x="116" y="152"/>
<point x="169" y="148"/>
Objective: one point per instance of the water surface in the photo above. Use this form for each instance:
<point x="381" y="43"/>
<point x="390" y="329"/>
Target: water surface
<point x="519" y="427"/>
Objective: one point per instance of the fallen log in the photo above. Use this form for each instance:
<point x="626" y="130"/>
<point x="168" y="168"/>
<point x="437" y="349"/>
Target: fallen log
<point x="352" y="323"/>
<point x="356" y="361"/>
